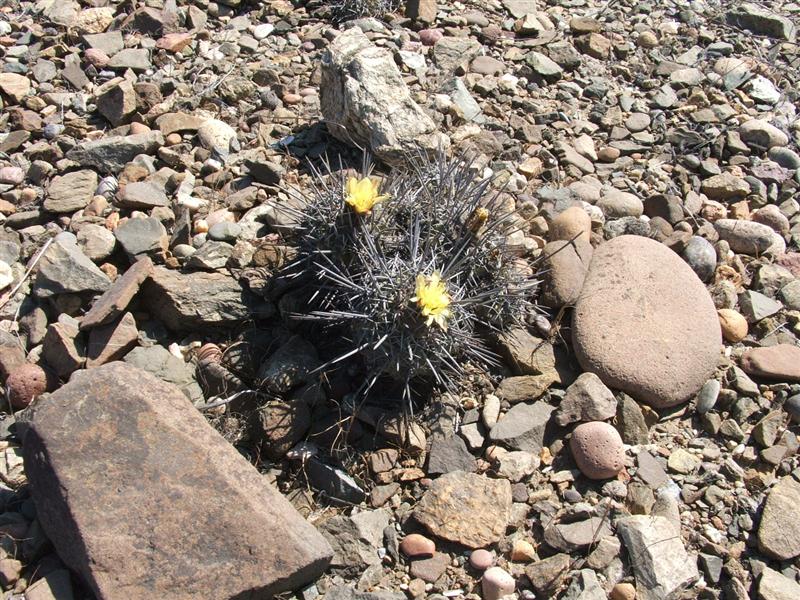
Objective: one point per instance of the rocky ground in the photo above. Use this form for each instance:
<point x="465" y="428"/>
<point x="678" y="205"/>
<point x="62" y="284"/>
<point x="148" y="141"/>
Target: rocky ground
<point x="641" y="440"/>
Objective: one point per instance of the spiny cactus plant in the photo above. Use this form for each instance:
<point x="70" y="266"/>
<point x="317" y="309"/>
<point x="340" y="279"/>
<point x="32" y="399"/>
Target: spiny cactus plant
<point x="344" y="10"/>
<point x="415" y="266"/>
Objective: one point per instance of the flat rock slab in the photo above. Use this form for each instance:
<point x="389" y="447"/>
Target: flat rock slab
<point x="781" y="362"/>
<point x="779" y="531"/>
<point x="660" y="562"/>
<point x="469" y="509"/>
<point x="645" y="323"/>
<point x="187" y="301"/>
<point x="144" y="499"/>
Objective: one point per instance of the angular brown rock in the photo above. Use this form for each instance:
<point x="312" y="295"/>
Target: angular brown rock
<point x="174" y="512"/>
<point x="116" y="298"/>
<point x="466" y="508"/>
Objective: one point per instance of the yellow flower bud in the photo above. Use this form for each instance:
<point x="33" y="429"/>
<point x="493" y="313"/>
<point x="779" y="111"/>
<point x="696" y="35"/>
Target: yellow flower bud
<point x="433" y="299"/>
<point x="362" y="194"/>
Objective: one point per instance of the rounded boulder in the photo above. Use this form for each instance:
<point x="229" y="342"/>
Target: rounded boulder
<point x="645" y="323"/>
<point x="597" y="450"/>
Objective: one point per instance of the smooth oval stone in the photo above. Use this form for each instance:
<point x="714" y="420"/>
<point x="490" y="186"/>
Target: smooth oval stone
<point x="701" y="256"/>
<point x="415" y="545"/>
<point x="708" y="395"/>
<point x="597" y="450"/>
<point x="645" y="324"/>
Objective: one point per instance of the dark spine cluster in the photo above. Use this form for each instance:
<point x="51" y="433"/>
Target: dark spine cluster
<point x="361" y="270"/>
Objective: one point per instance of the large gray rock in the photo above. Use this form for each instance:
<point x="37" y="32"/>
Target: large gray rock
<point x="186" y="301"/>
<point x="365" y="100"/>
<point x="523" y="427"/>
<point x="174" y="512"/>
<point x="64" y="269"/>
<point x="662" y="567"/>
<point x="761" y="22"/>
<point x="645" y="324"/>
<point x="110" y="154"/>
<point x="779" y="531"/>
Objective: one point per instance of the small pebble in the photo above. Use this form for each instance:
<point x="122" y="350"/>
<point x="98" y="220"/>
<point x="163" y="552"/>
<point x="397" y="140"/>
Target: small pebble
<point x="415" y="545"/>
<point x="481" y="559"/>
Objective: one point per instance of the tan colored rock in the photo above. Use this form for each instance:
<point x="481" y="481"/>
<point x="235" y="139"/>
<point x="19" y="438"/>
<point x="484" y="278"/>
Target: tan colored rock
<point x="15" y="86"/>
<point x="733" y="324"/>
<point x="469" y="509"/>
<point x="565" y="265"/>
<point x="779" y="530"/>
<point x="571" y="223"/>
<point x="171" y="494"/>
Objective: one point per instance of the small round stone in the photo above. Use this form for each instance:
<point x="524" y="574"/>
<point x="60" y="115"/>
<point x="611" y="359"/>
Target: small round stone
<point x="173" y="139"/>
<point x="597" y="450"/>
<point x="523" y="551"/>
<point x="429" y="37"/>
<point x="26" y="383"/>
<point x="138" y="128"/>
<point x="608" y="154"/>
<point x="574" y="221"/>
<point x="733" y="325"/>
<point x="623" y="591"/>
<point x="647" y="39"/>
<point x="481" y="559"/>
<point x="701" y="256"/>
<point x="497" y="583"/>
<point x="225" y="231"/>
<point x="415" y="545"/>
<point x="637" y="122"/>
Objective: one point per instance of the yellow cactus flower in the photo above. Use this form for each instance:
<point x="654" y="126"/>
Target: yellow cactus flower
<point x="432" y="299"/>
<point x="362" y="194"/>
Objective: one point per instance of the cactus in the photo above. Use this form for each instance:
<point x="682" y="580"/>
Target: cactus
<point x="344" y="10"/>
<point x="415" y="266"/>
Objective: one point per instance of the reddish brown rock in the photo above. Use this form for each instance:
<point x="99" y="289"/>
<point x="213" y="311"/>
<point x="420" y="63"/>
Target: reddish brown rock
<point x="781" y="362"/>
<point x="111" y="342"/>
<point x="175" y="511"/>
<point x="111" y="304"/>
<point x="63" y="348"/>
<point x="645" y="324"/>
<point x="11" y="357"/>
<point x="26" y="383"/>
<point x="415" y="545"/>
<point x="597" y="450"/>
